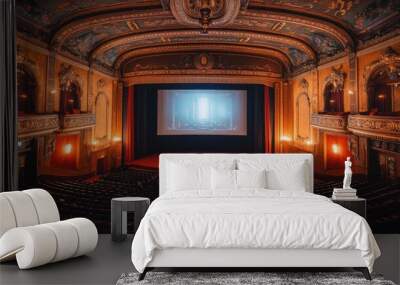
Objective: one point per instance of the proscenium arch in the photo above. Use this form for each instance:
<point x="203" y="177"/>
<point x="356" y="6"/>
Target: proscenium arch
<point x="279" y="39"/>
<point x="269" y="53"/>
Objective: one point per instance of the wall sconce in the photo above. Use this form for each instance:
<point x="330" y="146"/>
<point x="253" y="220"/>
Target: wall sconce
<point x="116" y="139"/>
<point x="335" y="149"/>
<point x="67" y="148"/>
<point x="381" y="96"/>
<point x="351" y="92"/>
<point x="308" y="142"/>
<point x="286" y="139"/>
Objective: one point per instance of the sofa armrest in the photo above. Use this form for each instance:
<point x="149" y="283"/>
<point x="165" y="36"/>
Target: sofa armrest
<point x="41" y="244"/>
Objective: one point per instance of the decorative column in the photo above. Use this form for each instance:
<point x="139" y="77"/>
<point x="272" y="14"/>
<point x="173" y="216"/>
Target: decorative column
<point x="117" y="122"/>
<point x="90" y="90"/>
<point x="314" y="91"/>
<point x="8" y="98"/>
<point x="278" y="115"/>
<point x="51" y="82"/>
<point x="353" y="86"/>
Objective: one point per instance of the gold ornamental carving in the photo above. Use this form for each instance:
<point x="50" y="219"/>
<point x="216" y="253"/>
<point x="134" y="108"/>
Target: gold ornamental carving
<point x="35" y="125"/>
<point x="336" y="123"/>
<point x="386" y="127"/>
<point x="77" y="122"/>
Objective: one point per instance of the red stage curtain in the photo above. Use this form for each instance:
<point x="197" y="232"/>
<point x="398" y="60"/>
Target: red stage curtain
<point x="129" y="125"/>
<point x="267" y="115"/>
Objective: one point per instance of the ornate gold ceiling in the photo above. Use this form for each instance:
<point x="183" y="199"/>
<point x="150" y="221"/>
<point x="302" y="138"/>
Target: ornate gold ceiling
<point x="296" y="33"/>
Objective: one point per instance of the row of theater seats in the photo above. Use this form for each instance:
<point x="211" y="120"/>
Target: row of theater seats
<point x="90" y="198"/>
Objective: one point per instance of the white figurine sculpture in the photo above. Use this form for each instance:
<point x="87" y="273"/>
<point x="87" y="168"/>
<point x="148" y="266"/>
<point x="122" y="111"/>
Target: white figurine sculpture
<point x="347" y="174"/>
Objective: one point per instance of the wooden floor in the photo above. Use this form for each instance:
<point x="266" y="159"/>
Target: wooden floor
<point x="106" y="264"/>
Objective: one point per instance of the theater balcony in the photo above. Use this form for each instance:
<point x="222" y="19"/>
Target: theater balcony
<point x="37" y="124"/>
<point x="76" y="122"/>
<point x="330" y="122"/>
<point x="384" y="127"/>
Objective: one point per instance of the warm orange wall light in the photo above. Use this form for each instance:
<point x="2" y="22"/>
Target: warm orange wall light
<point x="67" y="148"/>
<point x="335" y="148"/>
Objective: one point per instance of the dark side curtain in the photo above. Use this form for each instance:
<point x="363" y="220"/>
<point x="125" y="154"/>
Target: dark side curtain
<point x="8" y="98"/>
<point x="145" y="124"/>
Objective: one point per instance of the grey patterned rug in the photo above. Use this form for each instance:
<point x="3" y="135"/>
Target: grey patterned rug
<point x="244" y="278"/>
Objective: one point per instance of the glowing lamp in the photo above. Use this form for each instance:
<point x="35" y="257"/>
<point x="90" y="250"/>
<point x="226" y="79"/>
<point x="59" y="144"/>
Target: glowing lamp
<point x="331" y="101"/>
<point x="309" y="142"/>
<point x="285" y="139"/>
<point x="116" y="139"/>
<point x="335" y="149"/>
<point x="94" y="142"/>
<point x="67" y="148"/>
<point x="381" y="96"/>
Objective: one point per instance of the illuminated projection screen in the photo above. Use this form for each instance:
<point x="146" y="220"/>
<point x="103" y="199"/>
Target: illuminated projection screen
<point x="202" y="112"/>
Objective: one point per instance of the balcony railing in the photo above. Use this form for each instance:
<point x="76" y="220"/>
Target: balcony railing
<point x="73" y="122"/>
<point x="35" y="125"/>
<point x="336" y="123"/>
<point x="386" y="127"/>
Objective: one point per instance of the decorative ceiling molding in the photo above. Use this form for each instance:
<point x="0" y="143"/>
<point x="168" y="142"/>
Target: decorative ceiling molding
<point x="73" y="27"/>
<point x="247" y="20"/>
<point x="222" y="13"/>
<point x="270" y="53"/>
<point x="335" y="31"/>
<point x="201" y="62"/>
<point x="356" y="16"/>
<point x="328" y="28"/>
<point x="293" y="46"/>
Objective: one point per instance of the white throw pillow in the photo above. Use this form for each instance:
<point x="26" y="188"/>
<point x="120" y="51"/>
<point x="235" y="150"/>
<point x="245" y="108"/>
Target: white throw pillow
<point x="291" y="179"/>
<point x="223" y="179"/>
<point x="186" y="174"/>
<point x="251" y="178"/>
<point x="280" y="174"/>
<point x="182" y="177"/>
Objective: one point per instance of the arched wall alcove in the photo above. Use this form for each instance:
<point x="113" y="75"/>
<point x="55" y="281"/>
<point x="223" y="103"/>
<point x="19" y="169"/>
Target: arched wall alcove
<point x="70" y="102"/>
<point x="303" y="108"/>
<point x="383" y="90"/>
<point x="26" y="89"/>
<point x="333" y="98"/>
<point x="101" y="109"/>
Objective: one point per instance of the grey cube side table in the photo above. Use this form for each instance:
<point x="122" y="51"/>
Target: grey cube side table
<point x="119" y="209"/>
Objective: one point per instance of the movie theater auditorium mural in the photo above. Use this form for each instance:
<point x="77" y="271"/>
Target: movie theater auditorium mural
<point x="333" y="68"/>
